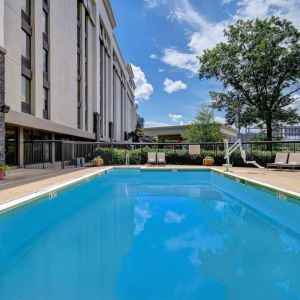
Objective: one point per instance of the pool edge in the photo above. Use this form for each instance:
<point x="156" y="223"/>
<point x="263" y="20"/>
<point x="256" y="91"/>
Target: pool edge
<point x="50" y="190"/>
<point x="281" y="193"/>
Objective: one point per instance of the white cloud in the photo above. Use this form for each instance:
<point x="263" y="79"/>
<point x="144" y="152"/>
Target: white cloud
<point x="161" y="70"/>
<point x="154" y="3"/>
<point x="287" y="9"/>
<point x="207" y="34"/>
<point x="175" y="118"/>
<point x="150" y="124"/>
<point x="143" y="89"/>
<point x="153" y="56"/>
<point x="225" y="2"/>
<point x="219" y="119"/>
<point x="173" y="217"/>
<point x="171" y="86"/>
<point x="180" y="60"/>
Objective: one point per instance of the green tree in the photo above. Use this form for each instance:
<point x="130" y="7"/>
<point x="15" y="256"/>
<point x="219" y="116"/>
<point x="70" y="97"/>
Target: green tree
<point x="204" y="128"/>
<point x="259" y="67"/>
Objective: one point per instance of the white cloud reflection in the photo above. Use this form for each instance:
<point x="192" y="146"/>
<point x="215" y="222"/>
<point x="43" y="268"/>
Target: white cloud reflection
<point x="142" y="215"/>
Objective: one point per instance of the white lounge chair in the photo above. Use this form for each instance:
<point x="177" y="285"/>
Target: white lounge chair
<point x="294" y="161"/>
<point x="161" y="158"/>
<point x="280" y="160"/>
<point x="152" y="158"/>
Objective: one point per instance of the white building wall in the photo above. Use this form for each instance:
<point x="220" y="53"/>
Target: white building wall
<point x="12" y="41"/>
<point x="63" y="67"/>
<point x="2" y="23"/>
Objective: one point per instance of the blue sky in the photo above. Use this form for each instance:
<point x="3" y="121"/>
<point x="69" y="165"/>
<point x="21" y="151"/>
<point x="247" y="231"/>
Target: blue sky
<point x="162" y="38"/>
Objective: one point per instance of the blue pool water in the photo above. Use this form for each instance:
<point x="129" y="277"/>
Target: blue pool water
<point x="132" y="235"/>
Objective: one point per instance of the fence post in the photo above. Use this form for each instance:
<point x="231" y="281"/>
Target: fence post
<point x="62" y="155"/>
<point x="43" y="161"/>
<point x="24" y="155"/>
<point x="110" y="154"/>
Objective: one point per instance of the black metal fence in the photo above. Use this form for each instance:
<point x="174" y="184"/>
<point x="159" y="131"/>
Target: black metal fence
<point x="65" y="154"/>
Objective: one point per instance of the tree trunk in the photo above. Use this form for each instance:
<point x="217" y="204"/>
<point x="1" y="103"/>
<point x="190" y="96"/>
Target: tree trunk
<point x="269" y="131"/>
<point x="269" y="134"/>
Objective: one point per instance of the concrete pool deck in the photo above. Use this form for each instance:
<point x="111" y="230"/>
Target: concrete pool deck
<point x="22" y="182"/>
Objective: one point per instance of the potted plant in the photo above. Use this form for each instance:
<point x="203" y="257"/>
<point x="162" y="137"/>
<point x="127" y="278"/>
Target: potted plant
<point x="97" y="161"/>
<point x="3" y="169"/>
<point x="208" y="161"/>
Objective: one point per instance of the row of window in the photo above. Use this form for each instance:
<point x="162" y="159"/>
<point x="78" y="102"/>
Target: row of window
<point x="78" y="66"/>
<point x="26" y="58"/>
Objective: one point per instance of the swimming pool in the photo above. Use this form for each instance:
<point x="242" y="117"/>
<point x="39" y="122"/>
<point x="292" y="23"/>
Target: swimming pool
<point x="143" y="235"/>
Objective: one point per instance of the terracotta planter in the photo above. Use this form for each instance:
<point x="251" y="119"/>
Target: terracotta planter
<point x="2" y="174"/>
<point x="208" y="162"/>
<point x="97" y="163"/>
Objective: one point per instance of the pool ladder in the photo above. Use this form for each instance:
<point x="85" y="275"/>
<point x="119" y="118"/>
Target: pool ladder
<point x="127" y="162"/>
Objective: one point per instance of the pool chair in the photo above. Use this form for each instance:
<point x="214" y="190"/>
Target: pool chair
<point x="294" y="161"/>
<point x="280" y="160"/>
<point x="161" y="158"/>
<point x="152" y="158"/>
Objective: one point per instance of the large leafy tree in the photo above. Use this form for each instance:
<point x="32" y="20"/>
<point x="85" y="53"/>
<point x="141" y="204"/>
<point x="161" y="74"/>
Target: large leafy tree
<point x="204" y="128"/>
<point x="259" y="67"/>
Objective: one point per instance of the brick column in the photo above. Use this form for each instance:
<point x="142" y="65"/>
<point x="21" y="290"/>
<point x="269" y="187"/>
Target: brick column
<point x="2" y="102"/>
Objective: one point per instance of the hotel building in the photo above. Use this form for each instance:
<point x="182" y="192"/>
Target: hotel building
<point x="65" y="77"/>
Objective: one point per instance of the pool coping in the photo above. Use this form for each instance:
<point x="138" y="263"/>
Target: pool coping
<point x="51" y="191"/>
<point x="279" y="192"/>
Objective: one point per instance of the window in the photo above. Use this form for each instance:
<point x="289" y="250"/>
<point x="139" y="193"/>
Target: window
<point x="46" y="104"/>
<point x="26" y="47"/>
<point x="78" y="63"/>
<point x="26" y="6"/>
<point x="78" y="91"/>
<point x="25" y="90"/>
<point x="78" y="105"/>
<point x="45" y="22"/>
<point x="45" y="61"/>
<point x="78" y="10"/>
<point x="78" y="116"/>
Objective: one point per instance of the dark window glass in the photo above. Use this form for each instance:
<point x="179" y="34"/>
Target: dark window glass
<point x="78" y="38"/>
<point x="11" y="145"/>
<point x="78" y="91"/>
<point x="45" y="61"/>
<point x="78" y="10"/>
<point x="25" y="4"/>
<point x="78" y="63"/>
<point x="26" y="47"/>
<point x="78" y="116"/>
<point x="46" y="99"/>
<point x="25" y="90"/>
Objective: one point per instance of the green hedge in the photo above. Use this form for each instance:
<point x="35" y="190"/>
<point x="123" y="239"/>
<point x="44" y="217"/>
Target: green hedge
<point x="114" y="156"/>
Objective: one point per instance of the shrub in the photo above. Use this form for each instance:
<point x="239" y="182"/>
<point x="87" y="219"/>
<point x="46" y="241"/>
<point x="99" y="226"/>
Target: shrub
<point x="138" y="156"/>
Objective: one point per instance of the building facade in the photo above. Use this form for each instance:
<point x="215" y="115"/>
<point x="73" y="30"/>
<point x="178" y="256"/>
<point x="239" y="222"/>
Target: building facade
<point x="65" y="77"/>
<point x="174" y="134"/>
<point x="2" y="83"/>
